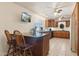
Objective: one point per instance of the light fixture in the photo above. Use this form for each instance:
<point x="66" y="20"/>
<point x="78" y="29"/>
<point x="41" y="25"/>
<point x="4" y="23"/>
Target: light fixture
<point x="60" y="18"/>
<point x="55" y="13"/>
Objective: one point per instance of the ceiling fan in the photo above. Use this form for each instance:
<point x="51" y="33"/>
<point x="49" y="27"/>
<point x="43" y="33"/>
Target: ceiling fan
<point x="58" y="9"/>
<point x="58" y="12"/>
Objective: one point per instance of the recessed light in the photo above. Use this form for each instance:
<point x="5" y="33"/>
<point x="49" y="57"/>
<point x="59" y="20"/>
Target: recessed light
<point x="55" y="13"/>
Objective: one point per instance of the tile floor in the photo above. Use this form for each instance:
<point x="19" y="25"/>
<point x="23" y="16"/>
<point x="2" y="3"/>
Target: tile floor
<point x="60" y="47"/>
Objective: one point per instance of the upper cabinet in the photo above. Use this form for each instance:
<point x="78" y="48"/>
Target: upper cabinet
<point x="55" y="23"/>
<point x="47" y="23"/>
<point x="67" y="23"/>
<point x="51" y="23"/>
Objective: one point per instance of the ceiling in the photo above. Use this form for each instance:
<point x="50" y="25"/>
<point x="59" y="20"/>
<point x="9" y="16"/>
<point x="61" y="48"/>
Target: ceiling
<point x="47" y="9"/>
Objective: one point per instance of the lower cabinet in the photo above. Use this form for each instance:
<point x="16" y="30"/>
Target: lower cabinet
<point x="40" y="45"/>
<point x="61" y="34"/>
<point x="45" y="45"/>
<point x="50" y="35"/>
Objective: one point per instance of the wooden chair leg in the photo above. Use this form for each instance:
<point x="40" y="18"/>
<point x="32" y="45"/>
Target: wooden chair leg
<point x="30" y="52"/>
<point x="18" y="53"/>
<point x="24" y="53"/>
<point x="13" y="52"/>
<point x="8" y="50"/>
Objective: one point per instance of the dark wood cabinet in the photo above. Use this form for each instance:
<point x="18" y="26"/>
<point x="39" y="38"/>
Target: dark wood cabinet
<point x="61" y="34"/>
<point x="51" y="23"/>
<point x="75" y="25"/>
<point x="50" y="35"/>
<point x="55" y="23"/>
<point x="48" y="23"/>
<point x="40" y="45"/>
<point x="67" y="23"/>
<point x="45" y="45"/>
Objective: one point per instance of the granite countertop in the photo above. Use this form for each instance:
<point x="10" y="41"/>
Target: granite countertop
<point x="36" y="36"/>
<point x="52" y="31"/>
<point x="55" y="29"/>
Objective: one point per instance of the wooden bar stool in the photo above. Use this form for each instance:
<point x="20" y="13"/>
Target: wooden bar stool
<point x="22" y="47"/>
<point x="10" y="42"/>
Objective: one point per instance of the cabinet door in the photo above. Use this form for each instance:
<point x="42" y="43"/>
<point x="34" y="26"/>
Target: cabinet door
<point x="55" y="24"/>
<point x="56" y="34"/>
<point x="46" y="23"/>
<point x="49" y="23"/>
<point x="52" y="23"/>
<point x="46" y="45"/>
<point x="67" y="23"/>
<point x="61" y="34"/>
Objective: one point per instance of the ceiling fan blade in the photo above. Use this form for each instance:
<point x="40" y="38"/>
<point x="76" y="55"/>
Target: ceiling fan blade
<point x="62" y="6"/>
<point x="59" y="8"/>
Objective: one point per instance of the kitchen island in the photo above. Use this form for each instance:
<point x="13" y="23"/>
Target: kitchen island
<point x="40" y="44"/>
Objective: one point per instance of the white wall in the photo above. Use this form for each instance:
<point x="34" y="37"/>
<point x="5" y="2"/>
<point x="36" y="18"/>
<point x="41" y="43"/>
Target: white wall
<point x="10" y="15"/>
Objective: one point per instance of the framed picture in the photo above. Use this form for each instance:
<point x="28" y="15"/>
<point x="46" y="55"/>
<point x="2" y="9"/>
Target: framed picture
<point x="25" y="17"/>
